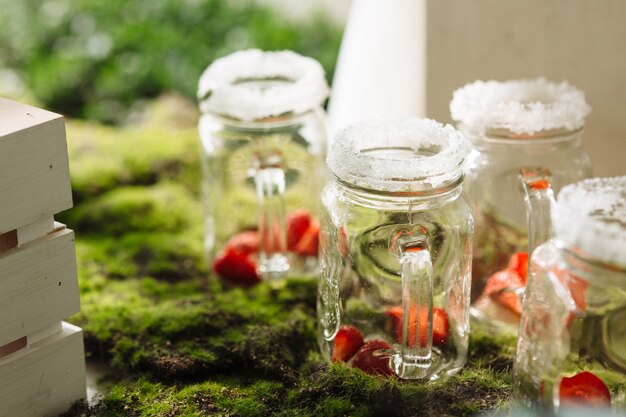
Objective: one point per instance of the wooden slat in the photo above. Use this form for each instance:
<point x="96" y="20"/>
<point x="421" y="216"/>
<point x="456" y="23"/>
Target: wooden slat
<point x="38" y="285"/>
<point x="45" y="378"/>
<point x="32" y="231"/>
<point x="34" y="168"/>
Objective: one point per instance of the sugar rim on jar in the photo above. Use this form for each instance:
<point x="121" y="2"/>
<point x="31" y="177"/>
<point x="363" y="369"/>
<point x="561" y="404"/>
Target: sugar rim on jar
<point x="521" y="107"/>
<point x="590" y="216"/>
<point x="398" y="154"/>
<point x="227" y="87"/>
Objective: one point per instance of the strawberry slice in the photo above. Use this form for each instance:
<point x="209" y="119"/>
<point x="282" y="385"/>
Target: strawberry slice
<point x="296" y="223"/>
<point x="540" y="185"/>
<point x="500" y="288"/>
<point x="348" y="341"/>
<point x="236" y="267"/>
<point x="309" y="243"/>
<point x="373" y="359"/>
<point x="519" y="263"/>
<point x="441" y="328"/>
<point x="302" y="233"/>
<point x="245" y="242"/>
<point x="584" y="389"/>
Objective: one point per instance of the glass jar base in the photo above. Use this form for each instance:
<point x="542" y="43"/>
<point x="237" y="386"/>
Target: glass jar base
<point x="274" y="267"/>
<point x="417" y="369"/>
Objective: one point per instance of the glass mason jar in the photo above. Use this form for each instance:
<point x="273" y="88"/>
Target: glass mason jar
<point x="572" y="340"/>
<point x="263" y="136"/>
<point x="526" y="135"/>
<point x="396" y="249"/>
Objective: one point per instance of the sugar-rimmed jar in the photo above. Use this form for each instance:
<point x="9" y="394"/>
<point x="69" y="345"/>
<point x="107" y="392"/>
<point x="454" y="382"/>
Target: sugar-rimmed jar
<point x="572" y="339"/>
<point x="263" y="136"/>
<point x="527" y="144"/>
<point x="396" y="248"/>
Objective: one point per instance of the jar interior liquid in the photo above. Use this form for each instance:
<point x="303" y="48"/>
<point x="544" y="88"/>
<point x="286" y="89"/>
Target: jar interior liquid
<point x="501" y="211"/>
<point x="516" y="127"/>
<point x="288" y="154"/>
<point x="263" y="138"/>
<point x="362" y="270"/>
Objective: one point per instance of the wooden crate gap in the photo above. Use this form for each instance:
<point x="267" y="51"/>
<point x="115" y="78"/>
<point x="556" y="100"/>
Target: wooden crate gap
<point x="8" y="240"/>
<point x="13" y="347"/>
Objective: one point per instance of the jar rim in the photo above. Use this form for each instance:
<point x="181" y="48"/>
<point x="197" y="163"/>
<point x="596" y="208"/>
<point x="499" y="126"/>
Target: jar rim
<point x="523" y="107"/>
<point x="590" y="215"/>
<point x="254" y="84"/>
<point x="398" y="155"/>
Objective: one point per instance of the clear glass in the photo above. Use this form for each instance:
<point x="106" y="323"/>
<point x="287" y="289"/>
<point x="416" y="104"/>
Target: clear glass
<point x="257" y="172"/>
<point x="387" y="253"/>
<point x="499" y="190"/>
<point x="572" y="340"/>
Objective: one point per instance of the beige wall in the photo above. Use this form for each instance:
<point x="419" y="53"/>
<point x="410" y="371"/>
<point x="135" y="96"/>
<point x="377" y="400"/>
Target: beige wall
<point x="582" y="41"/>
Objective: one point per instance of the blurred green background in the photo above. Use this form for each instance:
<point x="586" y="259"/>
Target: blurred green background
<point x="101" y="59"/>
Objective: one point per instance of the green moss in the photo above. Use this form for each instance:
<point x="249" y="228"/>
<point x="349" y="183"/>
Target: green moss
<point x="179" y="343"/>
<point x="160" y="208"/>
<point x="277" y="352"/>
<point x="167" y="256"/>
<point x="488" y="350"/>
<point x="178" y="331"/>
<point x="164" y="147"/>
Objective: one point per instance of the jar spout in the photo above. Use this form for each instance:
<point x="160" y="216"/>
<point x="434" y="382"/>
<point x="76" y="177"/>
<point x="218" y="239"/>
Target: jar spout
<point x="539" y="198"/>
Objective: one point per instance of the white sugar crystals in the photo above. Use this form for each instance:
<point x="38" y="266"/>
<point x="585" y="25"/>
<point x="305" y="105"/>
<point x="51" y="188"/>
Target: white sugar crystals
<point x="590" y="215"/>
<point x="520" y="106"/>
<point x="398" y="155"/>
<point x="253" y="84"/>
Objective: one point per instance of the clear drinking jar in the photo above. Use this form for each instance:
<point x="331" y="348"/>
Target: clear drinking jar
<point x="572" y="340"/>
<point x="396" y="249"/>
<point x="526" y="137"/>
<point x="263" y="136"/>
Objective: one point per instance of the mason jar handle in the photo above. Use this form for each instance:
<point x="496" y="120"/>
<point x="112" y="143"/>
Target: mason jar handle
<point x="270" y="187"/>
<point x="539" y="198"/>
<point x="415" y="357"/>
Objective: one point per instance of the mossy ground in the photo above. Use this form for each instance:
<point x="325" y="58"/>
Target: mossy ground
<point x="177" y="342"/>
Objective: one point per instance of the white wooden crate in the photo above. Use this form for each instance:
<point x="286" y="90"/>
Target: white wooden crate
<point x="46" y="377"/>
<point x="38" y="285"/>
<point x="34" y="167"/>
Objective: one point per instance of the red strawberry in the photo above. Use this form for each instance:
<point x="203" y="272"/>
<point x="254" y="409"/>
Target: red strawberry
<point x="519" y="262"/>
<point x="297" y="223"/>
<point x="236" y="267"/>
<point x="584" y="389"/>
<point x="540" y="185"/>
<point x="347" y="342"/>
<point x="441" y="328"/>
<point x="302" y="233"/>
<point x="309" y="243"/>
<point x="500" y="288"/>
<point x="245" y="242"/>
<point x="372" y="359"/>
